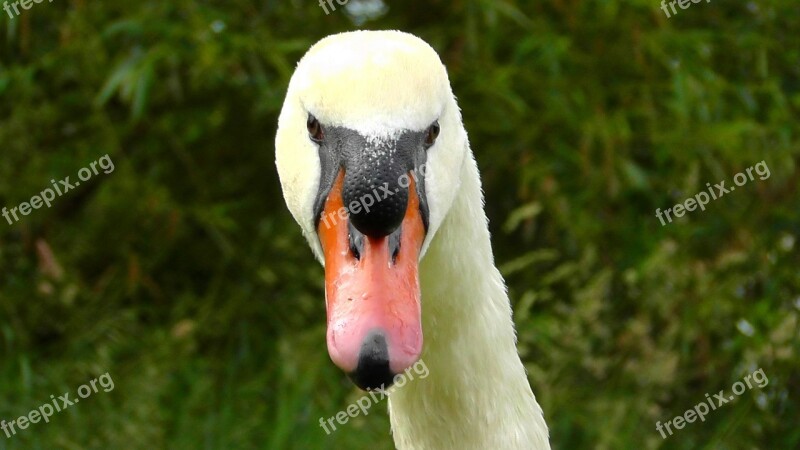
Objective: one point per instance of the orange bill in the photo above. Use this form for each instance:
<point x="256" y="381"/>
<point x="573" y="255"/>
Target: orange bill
<point x="372" y="293"/>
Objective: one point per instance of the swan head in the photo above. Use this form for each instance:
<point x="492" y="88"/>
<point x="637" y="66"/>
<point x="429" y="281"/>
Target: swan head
<point x="369" y="151"/>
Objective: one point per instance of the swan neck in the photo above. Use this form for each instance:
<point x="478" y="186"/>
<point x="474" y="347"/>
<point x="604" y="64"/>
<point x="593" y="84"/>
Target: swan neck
<point x="476" y="394"/>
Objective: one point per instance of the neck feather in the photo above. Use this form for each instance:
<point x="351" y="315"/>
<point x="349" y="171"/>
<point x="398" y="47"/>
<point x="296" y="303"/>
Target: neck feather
<point x="476" y="395"/>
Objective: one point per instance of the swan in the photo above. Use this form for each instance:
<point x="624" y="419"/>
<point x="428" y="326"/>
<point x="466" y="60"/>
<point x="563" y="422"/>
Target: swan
<point x="376" y="168"/>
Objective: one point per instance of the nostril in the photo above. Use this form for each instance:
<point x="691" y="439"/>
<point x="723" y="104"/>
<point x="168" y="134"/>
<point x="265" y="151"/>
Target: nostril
<point x="373" y="370"/>
<point x="356" y="241"/>
<point x="394" y="243"/>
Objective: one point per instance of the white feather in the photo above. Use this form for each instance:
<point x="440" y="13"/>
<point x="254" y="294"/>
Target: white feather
<point x="380" y="83"/>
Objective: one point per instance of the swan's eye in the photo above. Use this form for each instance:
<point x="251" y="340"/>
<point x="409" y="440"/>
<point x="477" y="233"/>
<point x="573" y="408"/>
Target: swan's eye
<point x="314" y="129"/>
<point x="433" y="133"/>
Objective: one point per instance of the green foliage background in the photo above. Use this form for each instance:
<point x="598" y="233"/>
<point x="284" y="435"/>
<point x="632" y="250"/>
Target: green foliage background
<point x="183" y="276"/>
